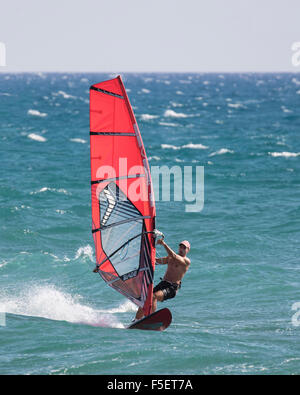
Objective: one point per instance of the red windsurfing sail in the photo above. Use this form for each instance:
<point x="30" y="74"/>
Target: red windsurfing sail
<point x="123" y="209"/>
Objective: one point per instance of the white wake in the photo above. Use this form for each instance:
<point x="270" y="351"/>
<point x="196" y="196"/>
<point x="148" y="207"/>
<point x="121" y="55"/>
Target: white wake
<point x="54" y="304"/>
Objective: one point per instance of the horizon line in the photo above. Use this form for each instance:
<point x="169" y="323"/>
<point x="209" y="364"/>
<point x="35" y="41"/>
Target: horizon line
<point x="149" y="72"/>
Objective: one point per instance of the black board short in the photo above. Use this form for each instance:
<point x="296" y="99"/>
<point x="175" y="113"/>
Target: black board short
<point x="169" y="289"/>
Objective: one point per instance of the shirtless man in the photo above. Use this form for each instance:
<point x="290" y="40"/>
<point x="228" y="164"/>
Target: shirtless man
<point x="178" y="265"/>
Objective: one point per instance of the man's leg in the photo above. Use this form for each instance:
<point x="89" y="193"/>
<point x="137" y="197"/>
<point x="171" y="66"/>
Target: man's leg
<point x="157" y="296"/>
<point x="139" y="314"/>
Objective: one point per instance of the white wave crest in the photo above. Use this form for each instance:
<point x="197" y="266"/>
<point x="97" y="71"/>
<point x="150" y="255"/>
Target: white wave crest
<point x="286" y="110"/>
<point x="295" y="81"/>
<point x="36" y="137"/>
<point x="194" y="146"/>
<point x="36" y="113"/>
<point x="222" y="151"/>
<point x="285" y="154"/>
<point x="76" y="140"/>
<point x="169" y="146"/>
<point x="148" y="117"/>
<point x="174" y="104"/>
<point x="64" y="95"/>
<point x="45" y="189"/>
<point x="86" y="251"/>
<point x="168" y="124"/>
<point x="154" y="158"/>
<point x="62" y="212"/>
<point x="173" y="114"/>
<point x="3" y="263"/>
<point x="235" y="105"/>
<point x="190" y="146"/>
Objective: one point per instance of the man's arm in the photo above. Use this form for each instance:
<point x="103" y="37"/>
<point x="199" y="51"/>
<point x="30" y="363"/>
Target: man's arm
<point x="171" y="253"/>
<point x="162" y="261"/>
<point x="169" y="250"/>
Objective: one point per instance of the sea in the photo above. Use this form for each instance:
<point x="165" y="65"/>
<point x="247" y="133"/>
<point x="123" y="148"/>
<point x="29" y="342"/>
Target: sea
<point x="238" y="311"/>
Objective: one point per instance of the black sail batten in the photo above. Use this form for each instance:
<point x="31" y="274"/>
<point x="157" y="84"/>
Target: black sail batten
<point x="112" y="134"/>
<point x="106" y="92"/>
<point x="119" y="223"/>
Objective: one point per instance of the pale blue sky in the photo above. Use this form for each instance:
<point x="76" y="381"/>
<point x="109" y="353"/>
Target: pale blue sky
<point x="155" y="35"/>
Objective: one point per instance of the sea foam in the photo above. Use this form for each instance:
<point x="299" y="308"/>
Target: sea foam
<point x="86" y="251"/>
<point x="148" y="117"/>
<point x="65" y="95"/>
<point x="154" y="158"/>
<point x="173" y="114"/>
<point x="194" y="146"/>
<point x="45" y="189"/>
<point x="77" y="140"/>
<point x="36" y="113"/>
<point x="222" y="151"/>
<point x="190" y="145"/>
<point x="36" y="137"/>
<point x="170" y="124"/>
<point x="235" y="105"/>
<point x="284" y="154"/>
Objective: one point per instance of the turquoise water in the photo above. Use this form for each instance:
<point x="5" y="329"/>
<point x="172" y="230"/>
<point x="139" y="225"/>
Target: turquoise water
<point x="233" y="314"/>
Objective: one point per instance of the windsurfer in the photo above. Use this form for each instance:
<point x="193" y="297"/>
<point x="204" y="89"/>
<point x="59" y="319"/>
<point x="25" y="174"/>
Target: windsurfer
<point x="178" y="265"/>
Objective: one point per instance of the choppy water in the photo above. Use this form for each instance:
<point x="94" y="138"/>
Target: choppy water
<point x="234" y="312"/>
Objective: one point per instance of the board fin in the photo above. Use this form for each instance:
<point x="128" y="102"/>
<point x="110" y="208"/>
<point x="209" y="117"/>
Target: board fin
<point x="157" y="321"/>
